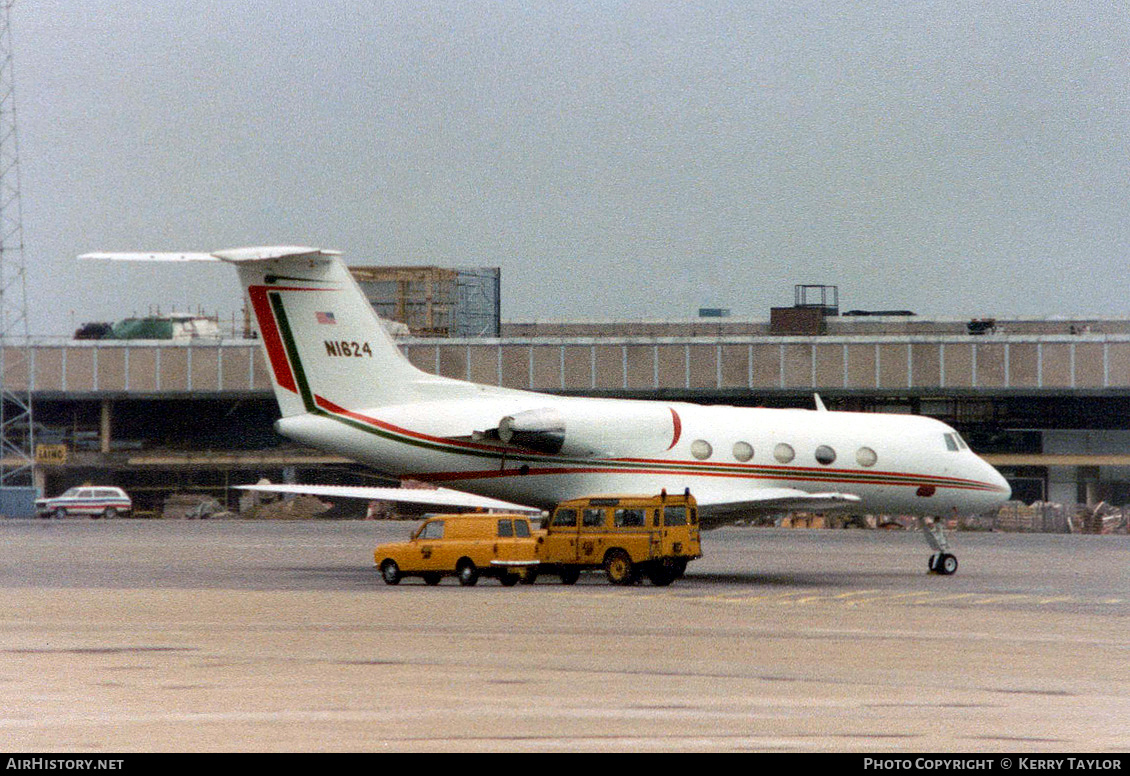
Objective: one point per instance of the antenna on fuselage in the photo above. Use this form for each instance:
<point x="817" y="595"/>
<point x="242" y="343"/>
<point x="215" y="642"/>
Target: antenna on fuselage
<point x="819" y="403"/>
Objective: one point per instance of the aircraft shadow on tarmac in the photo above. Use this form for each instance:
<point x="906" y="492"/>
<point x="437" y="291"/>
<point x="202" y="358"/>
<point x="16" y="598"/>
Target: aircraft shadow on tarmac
<point x="363" y="578"/>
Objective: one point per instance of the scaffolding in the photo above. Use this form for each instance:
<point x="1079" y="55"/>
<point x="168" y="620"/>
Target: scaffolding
<point x="435" y="301"/>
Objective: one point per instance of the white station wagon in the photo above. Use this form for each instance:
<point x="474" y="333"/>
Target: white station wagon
<point x="93" y="501"/>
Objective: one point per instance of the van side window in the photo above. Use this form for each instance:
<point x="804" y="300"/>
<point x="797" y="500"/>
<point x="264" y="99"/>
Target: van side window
<point x="521" y="529"/>
<point x="674" y="516"/>
<point x="592" y="518"/>
<point x="630" y="518"/>
<point x="505" y="529"/>
<point x="564" y="518"/>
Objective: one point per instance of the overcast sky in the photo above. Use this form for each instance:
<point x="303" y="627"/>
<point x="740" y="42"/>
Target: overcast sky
<point x="627" y="160"/>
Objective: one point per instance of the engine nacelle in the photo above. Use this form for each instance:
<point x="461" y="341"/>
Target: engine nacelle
<point x="592" y="427"/>
<point x="542" y="430"/>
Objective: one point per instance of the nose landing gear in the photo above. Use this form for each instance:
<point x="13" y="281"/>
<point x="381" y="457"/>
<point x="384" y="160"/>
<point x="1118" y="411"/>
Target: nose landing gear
<point x="942" y="561"/>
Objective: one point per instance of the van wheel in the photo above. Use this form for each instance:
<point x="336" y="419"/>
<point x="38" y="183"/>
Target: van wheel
<point x="432" y="578"/>
<point x="508" y="579"/>
<point x="570" y="576"/>
<point x="467" y="573"/>
<point x="390" y="572"/>
<point x="619" y="568"/>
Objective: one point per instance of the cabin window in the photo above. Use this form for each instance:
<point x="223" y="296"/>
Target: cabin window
<point x="701" y="449"/>
<point x="565" y="518"/>
<point x="743" y="451"/>
<point x="825" y="455"/>
<point x="784" y="453"/>
<point x="592" y="518"/>
<point x="865" y="456"/>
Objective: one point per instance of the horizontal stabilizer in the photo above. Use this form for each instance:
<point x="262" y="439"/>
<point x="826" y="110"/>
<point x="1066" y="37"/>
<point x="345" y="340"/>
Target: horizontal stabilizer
<point x="440" y="497"/>
<point x="233" y="255"/>
<point x="723" y="509"/>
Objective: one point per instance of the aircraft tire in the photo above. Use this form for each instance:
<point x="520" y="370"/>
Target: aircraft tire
<point x="390" y="572"/>
<point x="947" y="564"/>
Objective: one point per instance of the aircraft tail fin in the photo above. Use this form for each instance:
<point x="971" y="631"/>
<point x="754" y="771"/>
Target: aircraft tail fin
<point x="324" y="344"/>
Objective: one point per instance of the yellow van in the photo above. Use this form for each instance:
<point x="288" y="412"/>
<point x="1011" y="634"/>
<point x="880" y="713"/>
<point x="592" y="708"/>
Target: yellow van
<point x="468" y="546"/>
<point x="627" y="536"/>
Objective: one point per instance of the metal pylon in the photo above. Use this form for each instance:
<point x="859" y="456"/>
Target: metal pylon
<point x="17" y="442"/>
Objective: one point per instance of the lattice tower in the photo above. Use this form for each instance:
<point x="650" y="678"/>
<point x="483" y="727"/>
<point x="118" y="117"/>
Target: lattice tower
<point x="17" y="461"/>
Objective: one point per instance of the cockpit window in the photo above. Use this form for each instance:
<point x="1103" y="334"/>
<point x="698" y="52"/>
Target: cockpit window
<point x="954" y="442"/>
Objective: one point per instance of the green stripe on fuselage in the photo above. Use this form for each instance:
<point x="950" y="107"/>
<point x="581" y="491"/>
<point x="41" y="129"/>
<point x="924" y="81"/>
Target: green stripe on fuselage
<point x="292" y="352"/>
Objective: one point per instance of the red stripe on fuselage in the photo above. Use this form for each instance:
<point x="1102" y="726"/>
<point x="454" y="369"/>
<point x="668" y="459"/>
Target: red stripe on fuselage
<point x="692" y="468"/>
<point x="678" y="423"/>
<point x="337" y="409"/>
<point x="269" y="329"/>
<point x="272" y="341"/>
<point x="783" y="476"/>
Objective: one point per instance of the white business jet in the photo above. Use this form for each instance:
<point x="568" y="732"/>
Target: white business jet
<point x="343" y="385"/>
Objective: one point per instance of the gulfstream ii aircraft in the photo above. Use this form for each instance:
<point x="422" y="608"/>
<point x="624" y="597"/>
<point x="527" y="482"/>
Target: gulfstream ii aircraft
<point x="343" y="385"/>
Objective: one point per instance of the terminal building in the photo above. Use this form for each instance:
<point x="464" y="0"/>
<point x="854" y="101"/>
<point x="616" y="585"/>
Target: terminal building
<point x="1047" y="402"/>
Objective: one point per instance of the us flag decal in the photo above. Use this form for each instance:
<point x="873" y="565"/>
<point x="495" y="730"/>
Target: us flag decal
<point x="325" y="317"/>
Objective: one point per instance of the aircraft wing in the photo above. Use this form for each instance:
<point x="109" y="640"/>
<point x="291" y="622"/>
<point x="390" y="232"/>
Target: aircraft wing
<point x="440" y="497"/>
<point x="722" y="508"/>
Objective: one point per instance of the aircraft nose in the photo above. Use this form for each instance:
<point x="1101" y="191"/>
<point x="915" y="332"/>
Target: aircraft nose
<point x="1004" y="489"/>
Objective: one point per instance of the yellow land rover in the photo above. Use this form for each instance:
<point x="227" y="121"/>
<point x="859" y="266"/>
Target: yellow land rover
<point x="627" y="536"/>
<point x="467" y="546"/>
